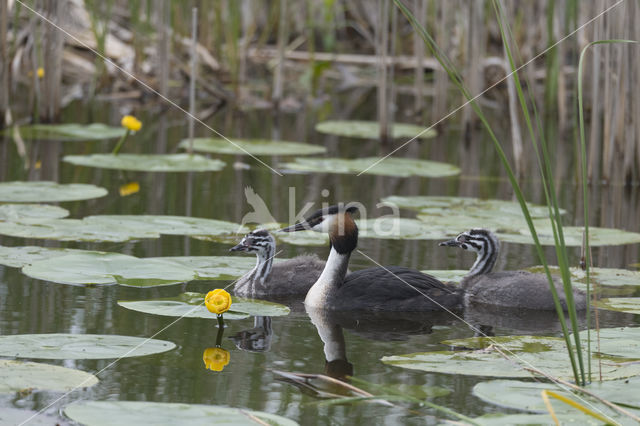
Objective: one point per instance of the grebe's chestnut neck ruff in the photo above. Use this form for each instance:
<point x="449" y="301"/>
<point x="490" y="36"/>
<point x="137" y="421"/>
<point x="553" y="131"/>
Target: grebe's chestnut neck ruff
<point x="374" y="289"/>
<point x="514" y="289"/>
<point x="292" y="277"/>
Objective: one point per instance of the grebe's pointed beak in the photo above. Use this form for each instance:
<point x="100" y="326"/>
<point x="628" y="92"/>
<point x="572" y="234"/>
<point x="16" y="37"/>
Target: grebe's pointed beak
<point x="239" y="247"/>
<point x="450" y="243"/>
<point x="300" y="226"/>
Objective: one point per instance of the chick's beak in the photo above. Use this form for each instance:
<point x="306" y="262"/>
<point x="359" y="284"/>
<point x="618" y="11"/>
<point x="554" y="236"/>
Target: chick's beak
<point x="239" y="247"/>
<point x="450" y="243"/>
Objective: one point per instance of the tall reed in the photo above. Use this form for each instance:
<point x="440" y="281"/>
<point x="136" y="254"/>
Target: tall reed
<point x="545" y="170"/>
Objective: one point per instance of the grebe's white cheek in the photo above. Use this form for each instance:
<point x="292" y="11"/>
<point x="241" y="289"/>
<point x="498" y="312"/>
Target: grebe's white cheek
<point x="324" y="225"/>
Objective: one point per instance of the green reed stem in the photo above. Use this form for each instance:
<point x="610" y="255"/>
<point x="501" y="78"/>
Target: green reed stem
<point x="583" y="164"/>
<point x="120" y="142"/>
<point x="544" y="164"/>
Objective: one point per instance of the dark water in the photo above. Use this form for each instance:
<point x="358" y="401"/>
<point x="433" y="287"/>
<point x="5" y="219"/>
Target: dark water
<point x="32" y="306"/>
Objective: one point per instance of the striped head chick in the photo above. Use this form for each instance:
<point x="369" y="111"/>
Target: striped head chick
<point x="481" y="241"/>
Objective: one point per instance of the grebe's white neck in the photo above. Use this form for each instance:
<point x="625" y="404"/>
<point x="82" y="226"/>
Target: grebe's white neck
<point x="330" y="280"/>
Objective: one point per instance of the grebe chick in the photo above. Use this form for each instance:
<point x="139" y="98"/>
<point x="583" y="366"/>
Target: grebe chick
<point x="514" y="289"/>
<point x="287" y="278"/>
<point x="392" y="288"/>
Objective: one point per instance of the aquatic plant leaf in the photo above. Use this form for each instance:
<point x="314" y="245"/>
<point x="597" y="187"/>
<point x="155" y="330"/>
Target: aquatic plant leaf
<point x="545" y="353"/>
<point x="252" y="146"/>
<point x="17" y="257"/>
<point x="521" y="395"/>
<point x="611" y="277"/>
<point x="79" y="346"/>
<point x="442" y="206"/>
<point x="148" y="162"/>
<point x="91" y="268"/>
<point x="16" y="376"/>
<point x="116" y="413"/>
<point x="176" y="308"/>
<point x="392" y="166"/>
<point x="573" y="236"/>
<point x="498" y="419"/>
<point x="630" y="305"/>
<point x="191" y="305"/>
<point x="47" y="192"/>
<point x="70" y="132"/>
<point x="117" y="228"/>
<point x="371" y="129"/>
<point x="451" y="275"/>
<point x="399" y="229"/>
<point x="30" y="213"/>
<point x="214" y="267"/>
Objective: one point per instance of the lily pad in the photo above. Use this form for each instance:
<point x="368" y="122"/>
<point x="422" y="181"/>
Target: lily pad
<point x="499" y="419"/>
<point x="451" y="275"/>
<point x="611" y="277"/>
<point x="30" y="213"/>
<point x="252" y="146"/>
<point x="545" y="353"/>
<point x="106" y="413"/>
<point x="214" y="267"/>
<point x="148" y="162"/>
<point x="91" y="268"/>
<point x="630" y="305"/>
<point x="79" y="346"/>
<point x="16" y="376"/>
<point x="17" y="257"/>
<point x="526" y="395"/>
<point x="71" y="132"/>
<point x="573" y="236"/>
<point x="191" y="305"/>
<point x="48" y="192"/>
<point x="371" y="129"/>
<point x="392" y="166"/>
<point x="117" y="228"/>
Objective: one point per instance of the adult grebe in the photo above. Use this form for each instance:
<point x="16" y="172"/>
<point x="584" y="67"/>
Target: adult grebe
<point x="514" y="289"/>
<point x="292" y="277"/>
<point x="392" y="288"/>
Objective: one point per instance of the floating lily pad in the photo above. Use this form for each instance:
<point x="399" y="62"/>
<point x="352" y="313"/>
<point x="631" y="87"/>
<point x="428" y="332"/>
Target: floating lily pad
<point x="573" y="235"/>
<point x="371" y="129"/>
<point x="545" y="353"/>
<point x="191" y="305"/>
<point x="599" y="276"/>
<point x="79" y="346"/>
<point x="106" y="413"/>
<point x="16" y="376"/>
<point x="392" y="166"/>
<point x="214" y="267"/>
<point x="30" y="213"/>
<point x="71" y="132"/>
<point x="108" y="268"/>
<point x="400" y="229"/>
<point x="451" y="275"/>
<point x="252" y="146"/>
<point x="17" y="257"/>
<point x="630" y="305"/>
<point x="498" y="419"/>
<point x="117" y="228"/>
<point x="526" y="395"/>
<point x="47" y="192"/>
<point x="148" y="162"/>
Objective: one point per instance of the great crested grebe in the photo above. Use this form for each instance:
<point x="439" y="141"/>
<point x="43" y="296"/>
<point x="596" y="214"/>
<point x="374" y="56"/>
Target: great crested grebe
<point x="292" y="277"/>
<point x="514" y="289"/>
<point x="392" y="288"/>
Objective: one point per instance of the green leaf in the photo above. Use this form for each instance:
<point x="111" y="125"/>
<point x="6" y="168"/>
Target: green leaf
<point x="191" y="305"/>
<point x="148" y="162"/>
<point x="371" y="129"/>
<point x="630" y="305"/>
<point x="16" y="376"/>
<point x="116" y="228"/>
<point x="47" y="192"/>
<point x="70" y="132"/>
<point x="30" y="213"/>
<point x="498" y="419"/>
<point x="79" y="346"/>
<point x="520" y="395"/>
<point x="619" y="347"/>
<point x="252" y="146"/>
<point x="451" y="275"/>
<point x="392" y="166"/>
<point x="17" y="257"/>
<point x="107" y="413"/>
<point x="611" y="277"/>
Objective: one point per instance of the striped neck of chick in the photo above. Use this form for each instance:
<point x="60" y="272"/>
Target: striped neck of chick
<point x="262" y="243"/>
<point x="484" y="243"/>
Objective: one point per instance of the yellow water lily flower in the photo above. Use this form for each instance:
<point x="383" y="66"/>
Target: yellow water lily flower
<point x="131" y="123"/>
<point x="40" y="72"/>
<point x="217" y="301"/>
<point x="215" y="359"/>
<point x="129" y="188"/>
